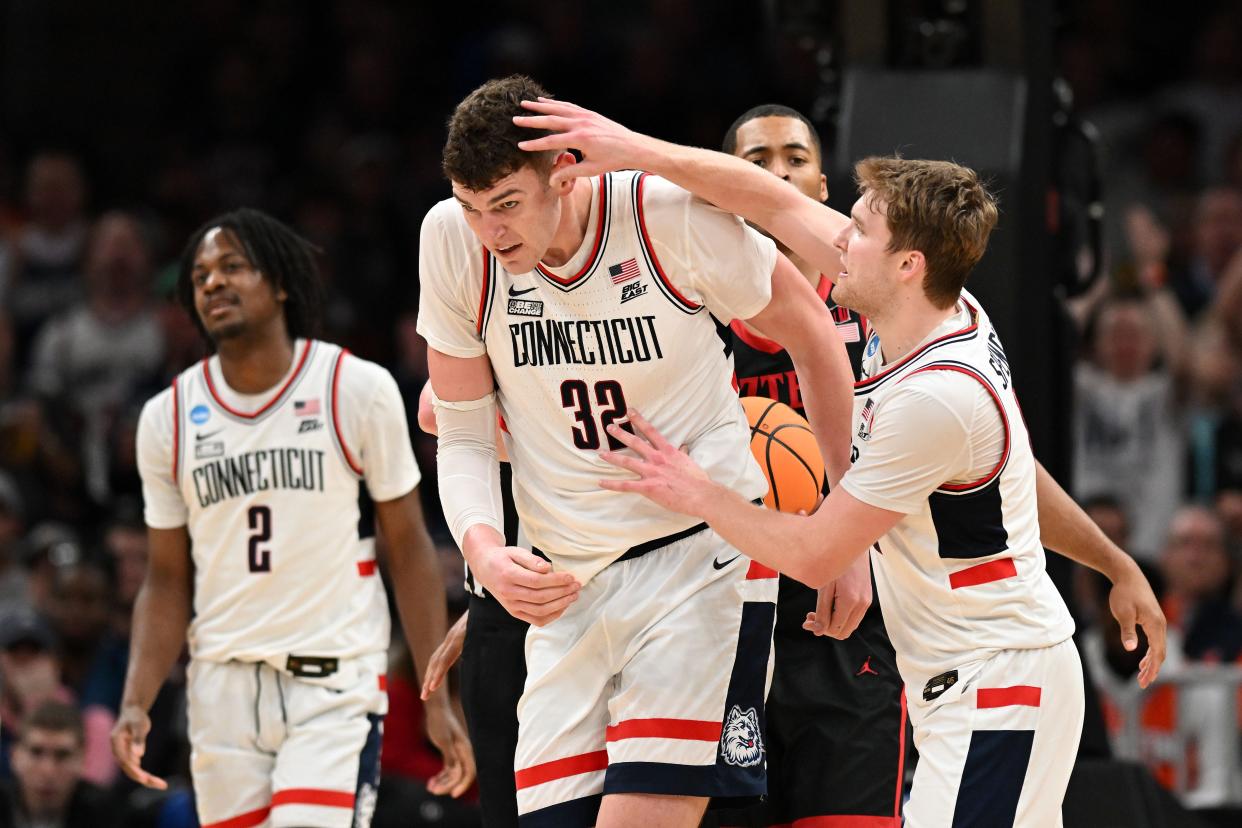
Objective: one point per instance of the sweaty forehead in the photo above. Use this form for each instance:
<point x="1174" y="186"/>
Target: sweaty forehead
<point x="519" y="180"/>
<point x="217" y="242"/>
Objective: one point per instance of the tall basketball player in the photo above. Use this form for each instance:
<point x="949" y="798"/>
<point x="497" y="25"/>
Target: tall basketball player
<point x="943" y="488"/>
<point x="836" y="719"/>
<point x="261" y="467"/>
<point x="562" y="306"/>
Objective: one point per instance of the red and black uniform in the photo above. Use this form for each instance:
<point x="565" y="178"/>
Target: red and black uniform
<point x="836" y="721"/>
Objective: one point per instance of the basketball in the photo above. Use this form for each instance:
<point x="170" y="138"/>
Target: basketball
<point x="783" y="444"/>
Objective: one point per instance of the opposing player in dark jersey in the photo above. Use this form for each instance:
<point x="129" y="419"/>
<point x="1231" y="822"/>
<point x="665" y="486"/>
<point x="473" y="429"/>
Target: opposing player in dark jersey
<point x="836" y="720"/>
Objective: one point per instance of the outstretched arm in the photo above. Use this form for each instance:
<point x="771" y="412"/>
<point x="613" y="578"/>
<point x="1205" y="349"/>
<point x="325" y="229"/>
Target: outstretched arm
<point x="803" y="225"/>
<point x="1065" y="528"/>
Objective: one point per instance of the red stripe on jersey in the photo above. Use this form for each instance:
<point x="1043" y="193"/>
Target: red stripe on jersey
<point x="176" y="431"/>
<point x="561" y="768"/>
<point x="366" y="568"/>
<point x="487" y="275"/>
<point x="984" y="573"/>
<point x="313" y="796"/>
<point x="1021" y="695"/>
<point x="211" y="387"/>
<point x="599" y="237"/>
<point x="690" y="729"/>
<point x="246" y="820"/>
<point x="642" y="229"/>
<point x="382" y="681"/>
<point x="753" y="339"/>
<point x="996" y="400"/>
<point x="846" y="821"/>
<point x="824" y="288"/>
<point x="336" y="423"/>
<point x="758" y="571"/>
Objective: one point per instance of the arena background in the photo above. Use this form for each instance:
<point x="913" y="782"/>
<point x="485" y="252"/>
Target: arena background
<point x="1112" y="132"/>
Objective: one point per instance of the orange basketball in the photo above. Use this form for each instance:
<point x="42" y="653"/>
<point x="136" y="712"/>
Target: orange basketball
<point x="785" y="448"/>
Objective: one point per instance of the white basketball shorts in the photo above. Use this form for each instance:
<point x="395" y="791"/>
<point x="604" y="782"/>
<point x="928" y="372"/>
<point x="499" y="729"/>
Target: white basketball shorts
<point x="271" y="749"/>
<point x="653" y="681"/>
<point x="997" y="748"/>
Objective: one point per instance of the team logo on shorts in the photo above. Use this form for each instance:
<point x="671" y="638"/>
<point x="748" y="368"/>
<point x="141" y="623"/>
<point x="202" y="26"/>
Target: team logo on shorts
<point x="740" y="742"/>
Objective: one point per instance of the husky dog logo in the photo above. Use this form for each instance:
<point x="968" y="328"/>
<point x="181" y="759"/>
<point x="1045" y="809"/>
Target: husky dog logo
<point x="740" y="742"/>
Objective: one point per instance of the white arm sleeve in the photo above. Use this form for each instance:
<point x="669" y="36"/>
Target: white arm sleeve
<point x="469" y="471"/>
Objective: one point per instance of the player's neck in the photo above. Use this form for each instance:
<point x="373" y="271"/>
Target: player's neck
<point x="906" y="325"/>
<point x="808" y="271"/>
<point x="571" y="230"/>
<point x="255" y="362"/>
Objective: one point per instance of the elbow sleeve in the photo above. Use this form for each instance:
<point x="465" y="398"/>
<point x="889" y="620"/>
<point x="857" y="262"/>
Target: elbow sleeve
<point x="469" y="471"/>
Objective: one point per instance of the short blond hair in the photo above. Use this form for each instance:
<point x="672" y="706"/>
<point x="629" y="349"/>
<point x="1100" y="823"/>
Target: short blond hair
<point x="939" y="208"/>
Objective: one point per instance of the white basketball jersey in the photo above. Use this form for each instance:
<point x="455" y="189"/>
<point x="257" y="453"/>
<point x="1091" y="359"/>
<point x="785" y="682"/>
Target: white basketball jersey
<point x="282" y="562"/>
<point x="617" y="328"/>
<point x="964" y="576"/>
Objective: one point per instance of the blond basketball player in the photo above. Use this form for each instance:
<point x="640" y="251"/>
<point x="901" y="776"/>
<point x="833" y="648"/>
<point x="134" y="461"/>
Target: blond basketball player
<point x="943" y="488"/>
<point x="563" y="306"/>
<point x="260" y="467"/>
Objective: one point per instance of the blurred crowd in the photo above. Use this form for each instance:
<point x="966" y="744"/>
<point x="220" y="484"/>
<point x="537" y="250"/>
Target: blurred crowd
<point x="330" y="114"/>
<point x="1157" y="416"/>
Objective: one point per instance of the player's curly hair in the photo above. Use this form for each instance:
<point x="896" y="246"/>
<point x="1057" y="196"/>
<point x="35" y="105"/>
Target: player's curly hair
<point x="939" y="208"/>
<point x="282" y="257"/>
<point x="482" y="139"/>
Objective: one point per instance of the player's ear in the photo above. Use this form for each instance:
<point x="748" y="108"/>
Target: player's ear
<point x="563" y="159"/>
<point x="913" y="265"/>
<point x="823" y="187"/>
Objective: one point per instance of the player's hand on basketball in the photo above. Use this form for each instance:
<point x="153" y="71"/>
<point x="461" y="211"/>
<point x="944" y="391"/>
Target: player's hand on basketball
<point x="666" y="475"/>
<point x="1133" y="604"/>
<point x="842" y="604"/>
<point x="448" y="734"/>
<point x="445" y="656"/>
<point x="521" y="581"/>
<point x="129" y="743"/>
<point x="605" y="145"/>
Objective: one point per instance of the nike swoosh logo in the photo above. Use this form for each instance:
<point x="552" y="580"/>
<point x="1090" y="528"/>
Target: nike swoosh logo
<point x="199" y="437"/>
<point x="513" y="292"/>
<point x="717" y="564"/>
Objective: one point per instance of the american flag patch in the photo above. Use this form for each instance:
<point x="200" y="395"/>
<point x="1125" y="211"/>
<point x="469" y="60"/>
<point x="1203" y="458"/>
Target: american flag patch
<point x="624" y="272"/>
<point x="306" y="408"/>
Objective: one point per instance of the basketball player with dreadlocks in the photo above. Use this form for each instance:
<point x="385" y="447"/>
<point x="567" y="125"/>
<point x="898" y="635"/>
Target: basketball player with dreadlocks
<point x="263" y="469"/>
<point x="836" y="722"/>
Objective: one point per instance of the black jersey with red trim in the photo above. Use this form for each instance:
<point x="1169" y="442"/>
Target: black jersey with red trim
<point x="763" y="368"/>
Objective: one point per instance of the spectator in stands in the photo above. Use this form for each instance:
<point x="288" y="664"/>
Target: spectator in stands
<point x="1128" y="432"/>
<point x="29" y="674"/>
<point x="1217" y="236"/>
<point x="49" y="791"/>
<point x="13" y="578"/>
<point x="48" y="249"/>
<point x="1198" y="579"/>
<point x="90" y="360"/>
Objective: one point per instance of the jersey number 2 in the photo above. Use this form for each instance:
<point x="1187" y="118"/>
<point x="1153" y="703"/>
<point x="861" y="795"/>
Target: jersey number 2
<point x="575" y="395"/>
<point x="261" y="533"/>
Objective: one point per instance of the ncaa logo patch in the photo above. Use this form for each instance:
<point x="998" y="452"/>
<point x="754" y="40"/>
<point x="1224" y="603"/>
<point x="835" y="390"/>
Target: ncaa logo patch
<point x="741" y="743"/>
<point x="200" y="414"/>
<point x="872" y="345"/>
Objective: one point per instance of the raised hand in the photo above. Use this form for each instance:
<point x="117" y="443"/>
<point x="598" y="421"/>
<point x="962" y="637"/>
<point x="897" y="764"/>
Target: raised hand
<point x="605" y="145"/>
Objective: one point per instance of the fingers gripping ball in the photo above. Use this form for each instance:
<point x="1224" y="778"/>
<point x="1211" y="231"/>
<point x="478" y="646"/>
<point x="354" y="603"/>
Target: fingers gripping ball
<point x="784" y="446"/>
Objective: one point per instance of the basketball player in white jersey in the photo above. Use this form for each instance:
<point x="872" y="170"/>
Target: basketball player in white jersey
<point x="261" y="467"/>
<point x="943" y="488"/>
<point x="561" y="307"/>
